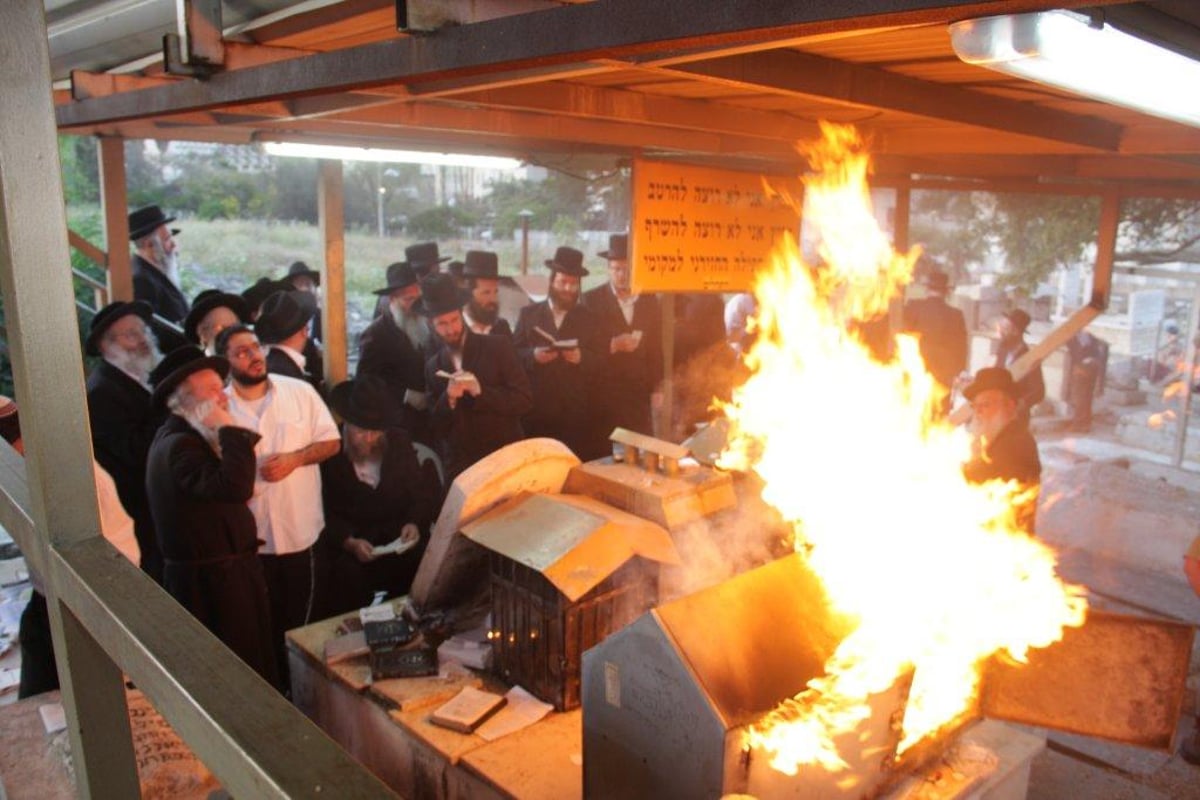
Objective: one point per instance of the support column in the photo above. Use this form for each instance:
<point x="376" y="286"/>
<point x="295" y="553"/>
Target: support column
<point x="35" y="278"/>
<point x="114" y="207"/>
<point x="333" y="270"/>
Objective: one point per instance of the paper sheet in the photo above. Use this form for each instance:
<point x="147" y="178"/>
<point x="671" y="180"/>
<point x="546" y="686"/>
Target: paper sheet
<point x="521" y="711"/>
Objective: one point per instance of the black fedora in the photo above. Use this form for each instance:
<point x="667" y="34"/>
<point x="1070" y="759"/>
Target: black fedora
<point x="455" y="268"/>
<point x="568" y="261"/>
<point x="263" y="288"/>
<point x="440" y="295"/>
<point x="481" y="264"/>
<point x="283" y="314"/>
<point x="175" y="368"/>
<point x="144" y="221"/>
<point x="618" y="247"/>
<point x="423" y="257"/>
<point x="299" y="269"/>
<point x="205" y="302"/>
<point x="937" y="281"/>
<point x="105" y="318"/>
<point x="365" y="403"/>
<point x="399" y="276"/>
<point x="1019" y="319"/>
<point x="991" y="378"/>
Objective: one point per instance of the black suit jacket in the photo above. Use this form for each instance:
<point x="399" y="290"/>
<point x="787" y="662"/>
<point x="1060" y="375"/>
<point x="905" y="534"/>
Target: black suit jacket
<point x="151" y="285"/>
<point x="561" y="390"/>
<point x="1012" y="456"/>
<point x="1031" y="389"/>
<point x="123" y="426"/>
<point x="942" y="333"/>
<point x="626" y="380"/>
<point x="385" y="351"/>
<point x="477" y="426"/>
<point x="280" y="363"/>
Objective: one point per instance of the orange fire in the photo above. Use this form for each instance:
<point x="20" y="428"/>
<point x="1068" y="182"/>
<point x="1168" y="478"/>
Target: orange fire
<point x="933" y="569"/>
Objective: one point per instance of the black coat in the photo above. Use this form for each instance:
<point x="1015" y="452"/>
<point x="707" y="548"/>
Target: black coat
<point x="625" y="381"/>
<point x="280" y="363"/>
<point x="561" y="390"/>
<point x="478" y="426"/>
<point x="164" y="297"/>
<point x="208" y="535"/>
<point x="1031" y="389"/>
<point x="123" y="426"/>
<point x="1011" y="456"/>
<point x="942" y="337"/>
<point x="385" y="351"/>
<point x="406" y="493"/>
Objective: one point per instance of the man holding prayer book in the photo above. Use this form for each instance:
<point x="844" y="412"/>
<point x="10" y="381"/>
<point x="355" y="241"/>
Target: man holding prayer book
<point x="556" y="340"/>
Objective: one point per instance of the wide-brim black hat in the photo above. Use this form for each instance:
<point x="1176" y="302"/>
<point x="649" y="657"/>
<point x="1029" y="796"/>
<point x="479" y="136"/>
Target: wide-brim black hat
<point x="423" y="256"/>
<point x="105" y="318"/>
<point x="300" y="269"/>
<point x="283" y="314"/>
<point x="263" y="288"/>
<point x="145" y="220"/>
<point x="997" y="378"/>
<point x="618" y="247"/>
<point x="205" y="302"/>
<point x="568" y="261"/>
<point x="175" y="368"/>
<point x="399" y="276"/>
<point x="365" y="403"/>
<point x="440" y="294"/>
<point x="1019" y="318"/>
<point x="481" y="264"/>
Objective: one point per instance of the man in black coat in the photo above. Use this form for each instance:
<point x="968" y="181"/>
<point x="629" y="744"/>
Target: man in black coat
<point x="200" y="475"/>
<point x="941" y="332"/>
<point x="283" y="326"/>
<point x="477" y="389"/>
<point x="376" y="493"/>
<point x="155" y="267"/>
<point x="122" y="420"/>
<point x="395" y="347"/>
<point x="481" y="274"/>
<point x="630" y="333"/>
<point x="1031" y="389"/>
<point x="558" y="345"/>
<point x="1002" y="448"/>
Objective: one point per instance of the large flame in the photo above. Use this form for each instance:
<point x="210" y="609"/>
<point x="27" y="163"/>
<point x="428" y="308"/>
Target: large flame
<point x="932" y="568"/>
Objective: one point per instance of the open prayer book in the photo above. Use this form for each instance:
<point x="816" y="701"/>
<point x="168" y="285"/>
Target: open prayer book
<point x="395" y="547"/>
<point x="467" y="710"/>
<point x="557" y="344"/>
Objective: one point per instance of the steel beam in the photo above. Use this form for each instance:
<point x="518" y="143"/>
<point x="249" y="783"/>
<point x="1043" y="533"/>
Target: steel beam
<point x="564" y="36"/>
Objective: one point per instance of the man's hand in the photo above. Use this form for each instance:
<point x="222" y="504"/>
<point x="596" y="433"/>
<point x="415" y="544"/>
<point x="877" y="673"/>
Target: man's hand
<point x="212" y="416"/>
<point x="409" y="534"/>
<point x="544" y="355"/>
<point x="572" y="356"/>
<point x="624" y="343"/>
<point x="417" y="400"/>
<point x="279" y="466"/>
<point x="359" y="548"/>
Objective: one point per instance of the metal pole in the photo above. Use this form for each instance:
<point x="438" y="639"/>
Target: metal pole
<point x="379" y="193"/>
<point x="39" y="304"/>
<point x="1189" y="378"/>
<point x="525" y="242"/>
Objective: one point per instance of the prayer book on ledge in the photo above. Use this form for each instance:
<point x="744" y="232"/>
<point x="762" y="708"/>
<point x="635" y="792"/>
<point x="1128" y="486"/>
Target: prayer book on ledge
<point x="467" y="710"/>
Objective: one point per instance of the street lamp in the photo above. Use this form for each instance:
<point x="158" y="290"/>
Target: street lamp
<point x="524" y="214"/>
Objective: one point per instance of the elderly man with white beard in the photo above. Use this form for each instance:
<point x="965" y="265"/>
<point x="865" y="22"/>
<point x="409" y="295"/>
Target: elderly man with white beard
<point x="155" y="268"/>
<point x="394" y="348"/>
<point x="1002" y="448"/>
<point x="123" y="422"/>
<point x="201" y="474"/>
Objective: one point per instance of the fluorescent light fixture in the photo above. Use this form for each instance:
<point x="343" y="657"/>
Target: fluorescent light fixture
<point x="297" y="150"/>
<point x="1070" y="51"/>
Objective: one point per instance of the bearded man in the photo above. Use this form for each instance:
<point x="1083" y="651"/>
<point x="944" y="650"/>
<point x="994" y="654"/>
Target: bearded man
<point x="201" y="473"/>
<point x="395" y="346"/>
<point x="481" y="274"/>
<point x="1002" y="448"/>
<point x="122" y="419"/>
<point x="212" y="312"/>
<point x="156" y="263"/>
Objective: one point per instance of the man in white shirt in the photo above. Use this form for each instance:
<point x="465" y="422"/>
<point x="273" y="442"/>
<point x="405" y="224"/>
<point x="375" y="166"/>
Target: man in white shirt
<point x="298" y="433"/>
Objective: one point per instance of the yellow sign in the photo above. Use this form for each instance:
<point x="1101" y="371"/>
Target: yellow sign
<point x="703" y="229"/>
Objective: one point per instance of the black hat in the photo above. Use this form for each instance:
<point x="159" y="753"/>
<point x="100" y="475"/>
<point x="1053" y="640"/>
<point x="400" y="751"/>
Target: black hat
<point x="440" y="294"/>
<point x="455" y="268"/>
<point x="1018" y="318"/>
<point x="568" y="261"/>
<point x="399" y="276"/>
<point x="937" y="281"/>
<point x="205" y="302"/>
<point x="423" y="256"/>
<point x="618" y="247"/>
<point x="991" y="378"/>
<point x="481" y="264"/>
<point x="175" y="368"/>
<point x="263" y="288"/>
<point x="283" y="314"/>
<point x="300" y="269"/>
<point x="105" y="318"/>
<point x="144" y="221"/>
<point x="365" y="403"/>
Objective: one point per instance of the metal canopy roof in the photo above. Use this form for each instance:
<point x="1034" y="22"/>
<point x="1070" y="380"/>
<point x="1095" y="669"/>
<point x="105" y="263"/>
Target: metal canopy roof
<point x="729" y="81"/>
